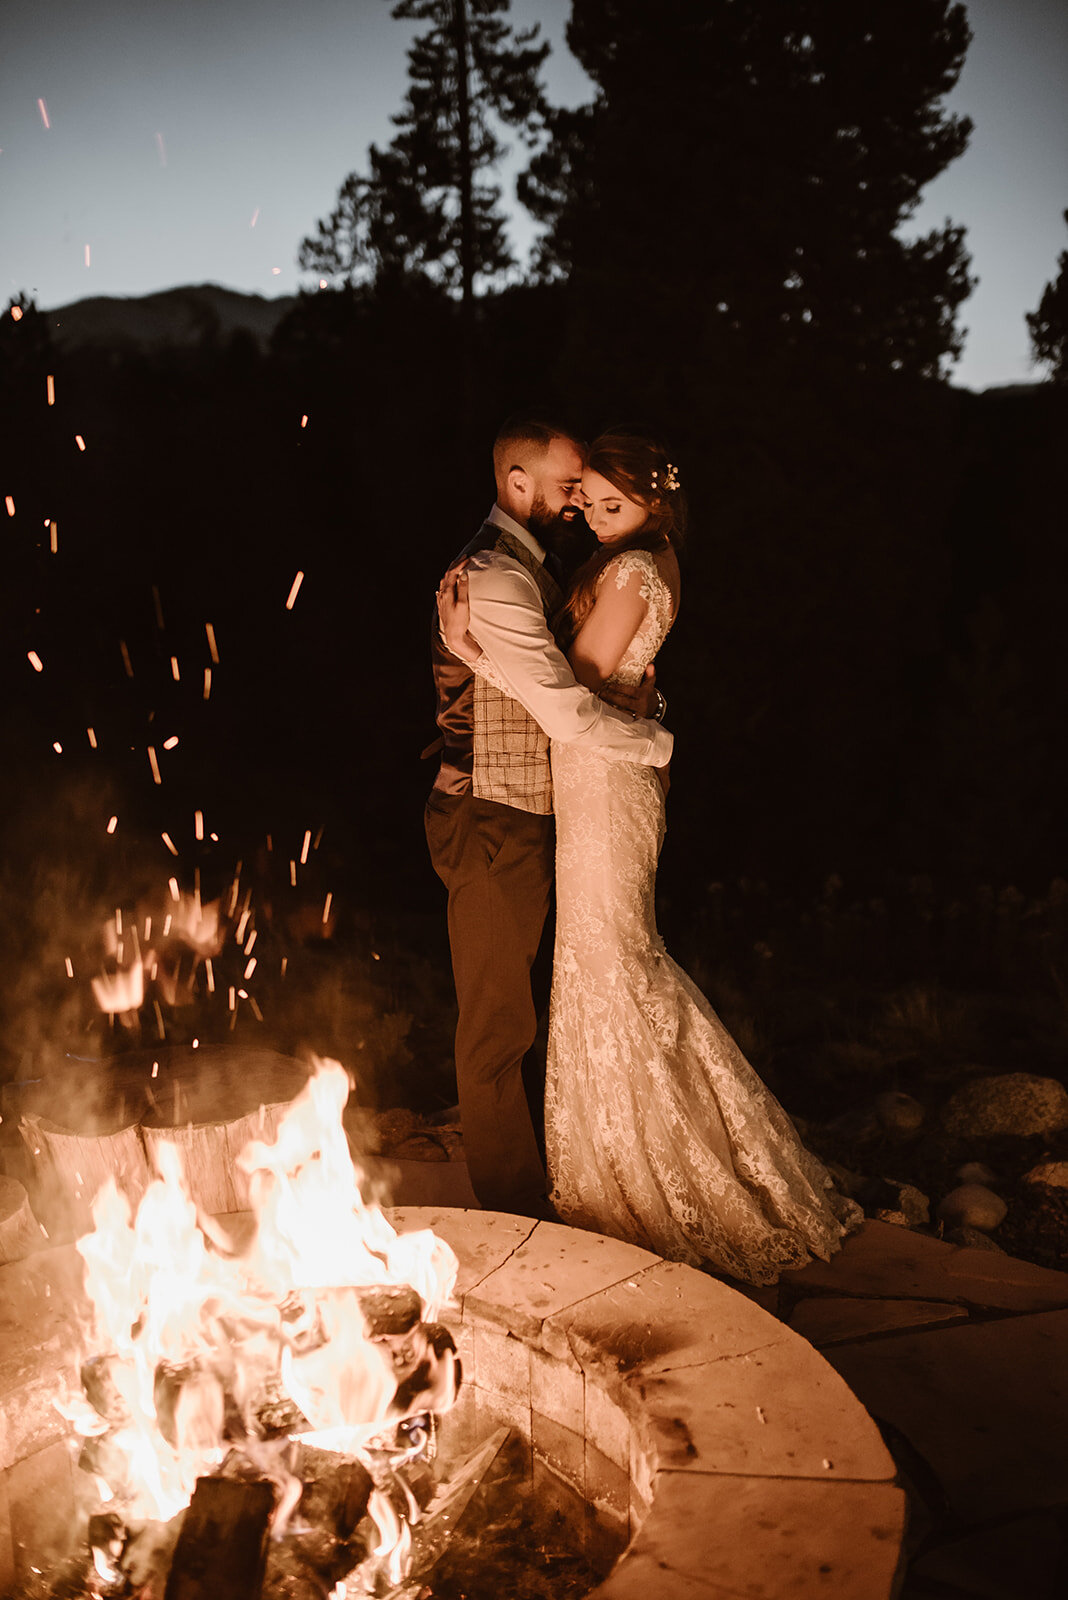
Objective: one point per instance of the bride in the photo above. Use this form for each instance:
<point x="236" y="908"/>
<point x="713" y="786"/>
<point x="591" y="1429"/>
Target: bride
<point x="658" y="1130"/>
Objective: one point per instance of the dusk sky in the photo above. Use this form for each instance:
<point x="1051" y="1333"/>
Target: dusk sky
<point x="193" y="141"/>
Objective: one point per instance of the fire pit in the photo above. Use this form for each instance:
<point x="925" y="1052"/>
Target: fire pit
<point x="682" y="1428"/>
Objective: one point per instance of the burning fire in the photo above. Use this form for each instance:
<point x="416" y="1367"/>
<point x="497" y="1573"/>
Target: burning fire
<point x="324" y="1327"/>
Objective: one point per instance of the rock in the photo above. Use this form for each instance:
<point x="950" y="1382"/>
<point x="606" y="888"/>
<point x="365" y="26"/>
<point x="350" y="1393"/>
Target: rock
<point x="972" y="1206"/>
<point x="976" y="1172"/>
<point x="1048" y="1175"/>
<point x="846" y="1181"/>
<point x="914" y="1203"/>
<point x="972" y="1239"/>
<point x="891" y="1200"/>
<point x="898" y="1112"/>
<point x="1014" y="1102"/>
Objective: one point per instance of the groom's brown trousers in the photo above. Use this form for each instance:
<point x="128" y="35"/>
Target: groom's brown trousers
<point x="496" y="861"/>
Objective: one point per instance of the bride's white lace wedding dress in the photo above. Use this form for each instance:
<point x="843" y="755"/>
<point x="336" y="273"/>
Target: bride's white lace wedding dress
<point x="657" y="1128"/>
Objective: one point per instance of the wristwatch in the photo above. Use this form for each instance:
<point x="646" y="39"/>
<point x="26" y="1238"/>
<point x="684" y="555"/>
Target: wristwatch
<point x="661" y="707"/>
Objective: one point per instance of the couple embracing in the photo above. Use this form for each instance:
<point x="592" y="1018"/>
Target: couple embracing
<point x="657" y="1130"/>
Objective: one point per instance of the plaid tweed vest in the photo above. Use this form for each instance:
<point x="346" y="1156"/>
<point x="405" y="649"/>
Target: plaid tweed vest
<point x="491" y="746"/>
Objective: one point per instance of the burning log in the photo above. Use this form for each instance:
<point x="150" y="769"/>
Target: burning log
<point x="221" y="1552"/>
<point x="69" y="1167"/>
<point x="117" y="1114"/>
<point x="20" y="1232"/>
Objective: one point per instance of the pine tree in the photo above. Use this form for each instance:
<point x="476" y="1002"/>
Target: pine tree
<point x="1048" y="325"/>
<point x="428" y="208"/>
<point x="745" y="169"/>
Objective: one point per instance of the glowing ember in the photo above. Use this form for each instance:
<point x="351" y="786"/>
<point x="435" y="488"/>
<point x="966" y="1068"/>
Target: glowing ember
<point x="294" y="591"/>
<point x="9" y="501"/>
<point x="35" y="661"/>
<point x="79" y="441"/>
<point x="113" y="823"/>
<point x="171" y="743"/>
<point x="16" y="313"/>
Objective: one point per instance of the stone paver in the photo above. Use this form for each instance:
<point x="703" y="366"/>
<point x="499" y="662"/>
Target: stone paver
<point x="828" y="1319"/>
<point x="763" y="1539"/>
<point x="780" y="1411"/>
<point x="1014" y="1559"/>
<point x="549" y="1272"/>
<point x="482" y="1245"/>
<point x="985" y="1404"/>
<point x="894" y="1263"/>
<point x="660" y="1319"/>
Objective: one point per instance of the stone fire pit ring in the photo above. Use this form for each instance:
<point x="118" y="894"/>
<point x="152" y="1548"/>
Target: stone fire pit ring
<point x="695" y="1437"/>
<point x="683" y="1421"/>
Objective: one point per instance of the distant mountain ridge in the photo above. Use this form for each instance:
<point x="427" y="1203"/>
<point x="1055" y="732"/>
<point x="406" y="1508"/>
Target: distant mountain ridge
<point x="181" y="317"/>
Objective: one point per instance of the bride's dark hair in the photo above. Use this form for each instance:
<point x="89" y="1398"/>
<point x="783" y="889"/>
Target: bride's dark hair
<point x="639" y="468"/>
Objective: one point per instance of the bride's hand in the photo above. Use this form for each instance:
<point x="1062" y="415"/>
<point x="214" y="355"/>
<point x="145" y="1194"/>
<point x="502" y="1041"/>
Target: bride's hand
<point x="454" y="614"/>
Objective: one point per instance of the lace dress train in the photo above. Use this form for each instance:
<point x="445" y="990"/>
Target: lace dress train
<point x="658" y="1130"/>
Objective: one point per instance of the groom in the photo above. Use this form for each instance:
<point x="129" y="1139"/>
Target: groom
<point x="489" y="817"/>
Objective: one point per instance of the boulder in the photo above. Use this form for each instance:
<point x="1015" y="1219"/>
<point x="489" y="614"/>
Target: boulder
<point x="972" y="1206"/>
<point x="1010" y="1103"/>
<point x="898" y="1112"/>
<point x="976" y="1172"/>
<point x="1048" y="1175"/>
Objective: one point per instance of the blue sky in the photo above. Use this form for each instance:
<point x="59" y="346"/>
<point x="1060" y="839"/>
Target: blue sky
<point x="198" y="140"/>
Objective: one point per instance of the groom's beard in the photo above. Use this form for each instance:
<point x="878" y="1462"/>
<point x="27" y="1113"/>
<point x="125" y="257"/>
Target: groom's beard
<point x="564" y="533"/>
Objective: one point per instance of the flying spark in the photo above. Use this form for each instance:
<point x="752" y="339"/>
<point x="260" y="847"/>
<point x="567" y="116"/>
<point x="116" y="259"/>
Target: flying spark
<point x="169" y="744"/>
<point x="275" y="272"/>
<point x="304" y="420"/>
<point x="126" y="658"/>
<point x="169" y="842"/>
<point x="172" y="884"/>
<point x="326" y="907"/>
<point x="91" y="735"/>
<point x="198" y="824"/>
<point x="113" y="823"/>
<point x="293" y="873"/>
<point x="294" y="591"/>
<point x="35" y="661"/>
<point x="162" y="148"/>
<point x="53" y="528"/>
<point x="79" y="441"/>
<point x="88" y="260"/>
<point x="250" y="968"/>
<point x="207" y="683"/>
<point x="50" y="386"/>
<point x="175" y="674"/>
<point x="16" y="313"/>
<point x="43" y="109"/>
<point x="154" y="764"/>
<point x="9" y="501"/>
<point x="57" y="747"/>
<point x="255" y="217"/>
<point x="69" y="964"/>
<point x="209" y="973"/>
<point x="305" y="847"/>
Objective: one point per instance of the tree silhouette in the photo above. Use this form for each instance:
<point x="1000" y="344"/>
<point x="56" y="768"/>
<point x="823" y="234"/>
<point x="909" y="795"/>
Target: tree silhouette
<point x="746" y="168"/>
<point x="1048" y="325"/>
<point x="427" y="208"/>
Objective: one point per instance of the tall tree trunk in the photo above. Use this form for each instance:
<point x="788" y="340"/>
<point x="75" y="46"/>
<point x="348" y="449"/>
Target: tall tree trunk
<point x="467" y="218"/>
<point x="463" y="113"/>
